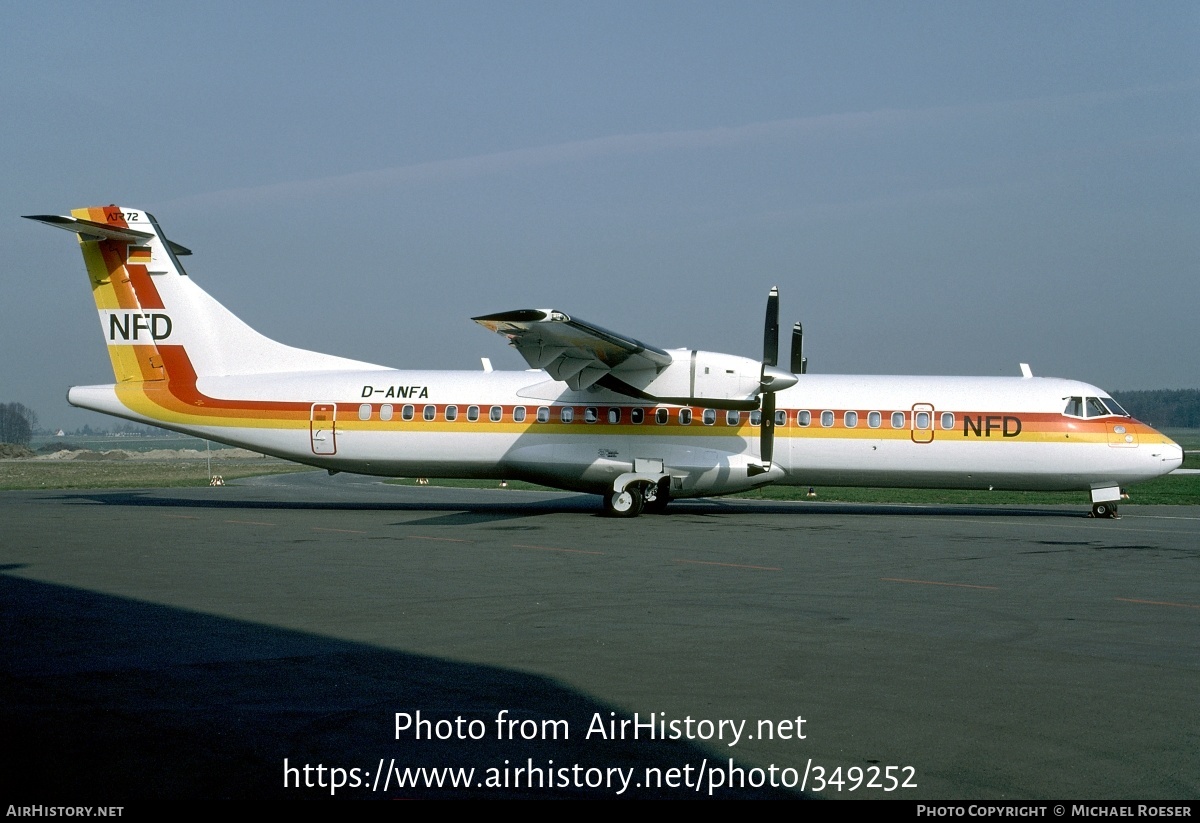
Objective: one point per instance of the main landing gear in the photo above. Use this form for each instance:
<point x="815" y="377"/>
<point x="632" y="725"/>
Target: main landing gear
<point x="628" y="503"/>
<point x="1108" y="510"/>
<point x="637" y="498"/>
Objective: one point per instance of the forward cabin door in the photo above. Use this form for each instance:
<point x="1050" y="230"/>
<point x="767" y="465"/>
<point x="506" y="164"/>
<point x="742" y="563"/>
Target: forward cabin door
<point x="323" y="428"/>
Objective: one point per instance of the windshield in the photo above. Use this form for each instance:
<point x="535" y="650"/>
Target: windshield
<point x="1113" y="406"/>
<point x="1093" y="407"/>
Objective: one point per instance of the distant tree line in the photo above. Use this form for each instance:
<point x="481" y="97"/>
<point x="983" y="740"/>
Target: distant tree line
<point x="17" y="423"/>
<point x="1164" y="408"/>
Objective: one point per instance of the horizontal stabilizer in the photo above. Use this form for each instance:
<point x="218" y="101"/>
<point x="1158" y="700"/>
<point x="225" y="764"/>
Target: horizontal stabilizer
<point x="89" y="230"/>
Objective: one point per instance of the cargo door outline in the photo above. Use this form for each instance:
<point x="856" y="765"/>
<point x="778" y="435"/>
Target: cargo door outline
<point x="322" y="428"/>
<point x="922" y="434"/>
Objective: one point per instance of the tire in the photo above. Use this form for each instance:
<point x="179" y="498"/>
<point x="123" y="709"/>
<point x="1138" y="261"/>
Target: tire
<point x="1104" y="510"/>
<point x="628" y="503"/>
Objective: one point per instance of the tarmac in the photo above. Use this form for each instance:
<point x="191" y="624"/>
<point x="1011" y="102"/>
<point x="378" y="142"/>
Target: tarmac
<point x="215" y="642"/>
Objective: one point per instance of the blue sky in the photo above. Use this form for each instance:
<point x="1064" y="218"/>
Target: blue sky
<point x="936" y="188"/>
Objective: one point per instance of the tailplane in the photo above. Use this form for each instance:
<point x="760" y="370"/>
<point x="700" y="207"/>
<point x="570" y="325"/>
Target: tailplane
<point x="157" y="323"/>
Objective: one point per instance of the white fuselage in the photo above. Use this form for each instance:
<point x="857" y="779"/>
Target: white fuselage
<point x="1003" y="433"/>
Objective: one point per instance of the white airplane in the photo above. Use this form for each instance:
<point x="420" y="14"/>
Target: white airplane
<point x="598" y="412"/>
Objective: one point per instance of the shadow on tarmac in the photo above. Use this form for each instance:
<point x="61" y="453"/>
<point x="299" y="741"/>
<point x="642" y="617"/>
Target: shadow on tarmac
<point x="111" y="700"/>
<point x="462" y="501"/>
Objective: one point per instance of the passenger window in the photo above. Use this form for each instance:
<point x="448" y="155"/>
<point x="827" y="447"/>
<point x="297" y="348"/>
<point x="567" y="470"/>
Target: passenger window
<point x="518" y="414"/>
<point x="947" y="420"/>
<point x="661" y="416"/>
<point x="543" y="414"/>
<point x="429" y="412"/>
<point x="921" y="420"/>
<point x="614" y="416"/>
<point x="364" y="411"/>
<point x="685" y="417"/>
<point x="756" y="418"/>
<point x="496" y="414"/>
<point x="637" y="415"/>
<point x="874" y="419"/>
<point x="452" y="413"/>
<point x="472" y="413"/>
<point x="897" y="420"/>
<point x="804" y="418"/>
<point x="710" y="417"/>
<point x="781" y="418"/>
<point x="733" y="418"/>
<point x="566" y="414"/>
<point x="591" y="414"/>
<point x="385" y="411"/>
<point x="850" y="418"/>
<point x="826" y="418"/>
<point x="407" y="412"/>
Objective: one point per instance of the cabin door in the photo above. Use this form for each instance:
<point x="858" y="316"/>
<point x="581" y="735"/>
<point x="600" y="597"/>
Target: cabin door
<point x="323" y="428"/>
<point x="922" y="423"/>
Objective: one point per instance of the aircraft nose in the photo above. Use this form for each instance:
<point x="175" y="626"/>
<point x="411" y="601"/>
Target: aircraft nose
<point x="1173" y="455"/>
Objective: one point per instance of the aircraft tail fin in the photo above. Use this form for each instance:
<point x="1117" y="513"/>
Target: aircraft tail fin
<point x="155" y="320"/>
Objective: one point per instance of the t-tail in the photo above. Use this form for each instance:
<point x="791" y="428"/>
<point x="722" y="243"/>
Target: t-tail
<point x="164" y="333"/>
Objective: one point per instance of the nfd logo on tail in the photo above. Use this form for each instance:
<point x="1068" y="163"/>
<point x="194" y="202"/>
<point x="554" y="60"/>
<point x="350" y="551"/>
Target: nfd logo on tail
<point x="676" y="423"/>
<point x="135" y="327"/>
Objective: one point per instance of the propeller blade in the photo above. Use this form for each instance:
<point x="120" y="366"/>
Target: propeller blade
<point x="799" y="362"/>
<point x="766" y="431"/>
<point x="771" y="329"/>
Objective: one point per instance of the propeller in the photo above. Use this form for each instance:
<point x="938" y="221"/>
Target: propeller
<point x="773" y="379"/>
<point x="799" y="361"/>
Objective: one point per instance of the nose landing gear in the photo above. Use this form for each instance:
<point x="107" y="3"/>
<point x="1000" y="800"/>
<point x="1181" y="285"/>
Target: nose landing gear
<point x="1108" y="510"/>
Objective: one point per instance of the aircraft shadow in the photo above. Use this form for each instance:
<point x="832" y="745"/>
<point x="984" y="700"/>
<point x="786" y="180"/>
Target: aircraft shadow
<point x="112" y="700"/>
<point x="465" y="508"/>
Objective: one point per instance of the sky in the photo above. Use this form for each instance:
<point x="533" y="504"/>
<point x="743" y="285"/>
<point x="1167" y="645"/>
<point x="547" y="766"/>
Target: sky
<point x="935" y="188"/>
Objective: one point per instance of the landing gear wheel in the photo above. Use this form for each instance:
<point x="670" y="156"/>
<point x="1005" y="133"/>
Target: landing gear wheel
<point x="626" y="503"/>
<point x="662" y="496"/>
<point x="1108" y="510"/>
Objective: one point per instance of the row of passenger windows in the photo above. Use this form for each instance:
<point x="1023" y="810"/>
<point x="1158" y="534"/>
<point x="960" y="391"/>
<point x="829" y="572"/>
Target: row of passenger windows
<point x="637" y="416"/>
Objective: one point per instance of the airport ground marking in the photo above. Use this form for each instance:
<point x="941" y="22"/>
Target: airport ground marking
<point x="729" y="565"/>
<point x="1158" y="603"/>
<point x="553" y="549"/>
<point x="938" y="583"/>
<point x="182" y="516"/>
<point x="342" y="531"/>
<point x="439" y="539"/>
<point x="252" y="522"/>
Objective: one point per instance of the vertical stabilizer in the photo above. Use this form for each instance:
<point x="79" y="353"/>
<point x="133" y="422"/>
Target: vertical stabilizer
<point x="156" y="322"/>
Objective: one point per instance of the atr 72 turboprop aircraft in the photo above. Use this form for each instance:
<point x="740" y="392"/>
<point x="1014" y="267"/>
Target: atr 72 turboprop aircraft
<point x="598" y="411"/>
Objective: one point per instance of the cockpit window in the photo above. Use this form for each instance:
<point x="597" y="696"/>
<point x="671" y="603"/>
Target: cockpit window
<point x="1113" y="406"/>
<point x="1095" y="408"/>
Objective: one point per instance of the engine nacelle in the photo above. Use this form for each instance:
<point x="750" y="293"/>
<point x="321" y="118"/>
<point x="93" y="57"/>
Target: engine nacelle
<point x="705" y="378"/>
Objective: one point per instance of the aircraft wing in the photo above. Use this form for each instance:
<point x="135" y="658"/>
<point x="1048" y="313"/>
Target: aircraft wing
<point x="573" y="351"/>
